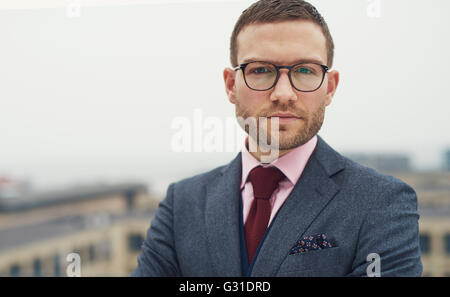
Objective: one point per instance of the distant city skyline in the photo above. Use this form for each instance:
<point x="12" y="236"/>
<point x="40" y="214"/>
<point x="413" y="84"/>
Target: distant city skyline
<point x="93" y="97"/>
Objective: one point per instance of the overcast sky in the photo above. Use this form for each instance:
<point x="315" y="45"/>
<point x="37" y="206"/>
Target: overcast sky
<point x="93" y="97"/>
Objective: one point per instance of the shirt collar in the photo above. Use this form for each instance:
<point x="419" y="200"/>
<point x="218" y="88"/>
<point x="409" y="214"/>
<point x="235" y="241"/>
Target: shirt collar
<point x="291" y="164"/>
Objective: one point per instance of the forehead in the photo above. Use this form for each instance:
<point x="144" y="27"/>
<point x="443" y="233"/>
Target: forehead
<point x="282" y="43"/>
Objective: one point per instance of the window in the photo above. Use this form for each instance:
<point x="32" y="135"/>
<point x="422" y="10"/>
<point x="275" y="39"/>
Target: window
<point x="424" y="243"/>
<point x="447" y="243"/>
<point x="91" y="253"/>
<point x="37" y="267"/>
<point x="14" y="270"/>
<point x="135" y="242"/>
<point x="129" y="197"/>
<point x="56" y="265"/>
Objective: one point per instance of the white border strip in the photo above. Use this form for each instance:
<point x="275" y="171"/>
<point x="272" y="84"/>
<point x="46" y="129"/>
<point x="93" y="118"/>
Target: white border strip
<point x="38" y="4"/>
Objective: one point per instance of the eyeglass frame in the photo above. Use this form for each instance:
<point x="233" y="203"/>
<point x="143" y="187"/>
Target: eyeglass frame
<point x="242" y="67"/>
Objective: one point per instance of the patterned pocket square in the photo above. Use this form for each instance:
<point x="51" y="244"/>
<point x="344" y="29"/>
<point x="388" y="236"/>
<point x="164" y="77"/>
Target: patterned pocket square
<point x="311" y="243"/>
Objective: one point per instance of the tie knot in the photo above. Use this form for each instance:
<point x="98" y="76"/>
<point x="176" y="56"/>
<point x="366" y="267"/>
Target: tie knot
<point x="265" y="181"/>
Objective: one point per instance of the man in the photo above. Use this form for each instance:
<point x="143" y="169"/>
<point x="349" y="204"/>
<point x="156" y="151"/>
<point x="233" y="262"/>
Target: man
<point x="307" y="212"/>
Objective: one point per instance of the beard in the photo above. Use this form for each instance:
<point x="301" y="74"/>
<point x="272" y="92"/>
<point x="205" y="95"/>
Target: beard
<point x="290" y="136"/>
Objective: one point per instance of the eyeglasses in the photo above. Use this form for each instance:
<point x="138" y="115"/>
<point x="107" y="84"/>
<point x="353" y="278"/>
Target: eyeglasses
<point x="262" y="76"/>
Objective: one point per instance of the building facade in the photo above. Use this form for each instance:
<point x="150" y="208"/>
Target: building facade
<point x="433" y="192"/>
<point x="104" y="225"/>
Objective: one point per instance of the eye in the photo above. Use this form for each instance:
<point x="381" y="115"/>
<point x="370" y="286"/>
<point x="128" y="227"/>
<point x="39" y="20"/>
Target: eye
<point x="303" y="70"/>
<point x="260" y="70"/>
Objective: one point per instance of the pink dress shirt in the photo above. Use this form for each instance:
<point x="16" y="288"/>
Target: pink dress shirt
<point x="291" y="164"/>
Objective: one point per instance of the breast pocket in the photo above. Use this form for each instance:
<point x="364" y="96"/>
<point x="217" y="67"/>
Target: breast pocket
<point x="324" y="262"/>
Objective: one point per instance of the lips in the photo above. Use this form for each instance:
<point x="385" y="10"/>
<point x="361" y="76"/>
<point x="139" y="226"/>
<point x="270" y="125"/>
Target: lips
<point x="284" y="115"/>
<point x="284" y="118"/>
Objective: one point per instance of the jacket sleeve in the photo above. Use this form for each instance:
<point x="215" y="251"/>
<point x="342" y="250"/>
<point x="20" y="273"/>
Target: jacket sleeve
<point x="158" y="256"/>
<point x="391" y="230"/>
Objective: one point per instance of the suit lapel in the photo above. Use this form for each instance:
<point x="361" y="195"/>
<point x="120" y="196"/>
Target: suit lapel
<point x="222" y="219"/>
<point x="314" y="190"/>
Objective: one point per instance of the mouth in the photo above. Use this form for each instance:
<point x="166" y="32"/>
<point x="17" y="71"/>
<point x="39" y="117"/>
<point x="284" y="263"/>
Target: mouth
<point x="285" y="117"/>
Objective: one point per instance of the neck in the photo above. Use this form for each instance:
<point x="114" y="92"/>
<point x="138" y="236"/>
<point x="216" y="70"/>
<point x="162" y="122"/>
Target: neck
<point x="265" y="157"/>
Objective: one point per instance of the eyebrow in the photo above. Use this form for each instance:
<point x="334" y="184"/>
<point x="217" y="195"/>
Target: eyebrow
<point x="305" y="60"/>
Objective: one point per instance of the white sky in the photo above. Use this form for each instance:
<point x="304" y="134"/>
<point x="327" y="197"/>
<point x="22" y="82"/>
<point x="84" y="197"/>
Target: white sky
<point x="89" y="98"/>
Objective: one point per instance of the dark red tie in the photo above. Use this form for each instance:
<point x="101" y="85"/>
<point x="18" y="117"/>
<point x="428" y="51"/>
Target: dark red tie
<point x="264" y="182"/>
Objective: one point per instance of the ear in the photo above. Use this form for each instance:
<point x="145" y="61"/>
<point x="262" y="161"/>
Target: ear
<point x="229" y="76"/>
<point x="333" y="81"/>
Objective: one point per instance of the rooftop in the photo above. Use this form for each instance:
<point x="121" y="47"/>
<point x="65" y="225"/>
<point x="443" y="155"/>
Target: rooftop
<point x="23" y="235"/>
<point x="48" y="198"/>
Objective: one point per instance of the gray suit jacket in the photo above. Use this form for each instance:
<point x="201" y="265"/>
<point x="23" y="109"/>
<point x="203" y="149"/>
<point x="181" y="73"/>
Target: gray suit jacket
<point x="195" y="231"/>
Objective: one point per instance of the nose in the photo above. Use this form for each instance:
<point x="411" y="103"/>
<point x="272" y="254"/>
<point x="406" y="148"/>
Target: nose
<point x="283" y="90"/>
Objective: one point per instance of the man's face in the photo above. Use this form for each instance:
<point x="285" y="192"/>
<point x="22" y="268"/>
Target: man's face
<point x="284" y="43"/>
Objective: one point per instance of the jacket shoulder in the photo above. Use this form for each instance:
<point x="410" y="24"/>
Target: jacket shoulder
<point x="374" y="189"/>
<point x="350" y="174"/>
<point x="199" y="180"/>
<point x="363" y="176"/>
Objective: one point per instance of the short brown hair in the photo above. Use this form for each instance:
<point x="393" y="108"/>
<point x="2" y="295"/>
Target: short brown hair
<point x="271" y="11"/>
